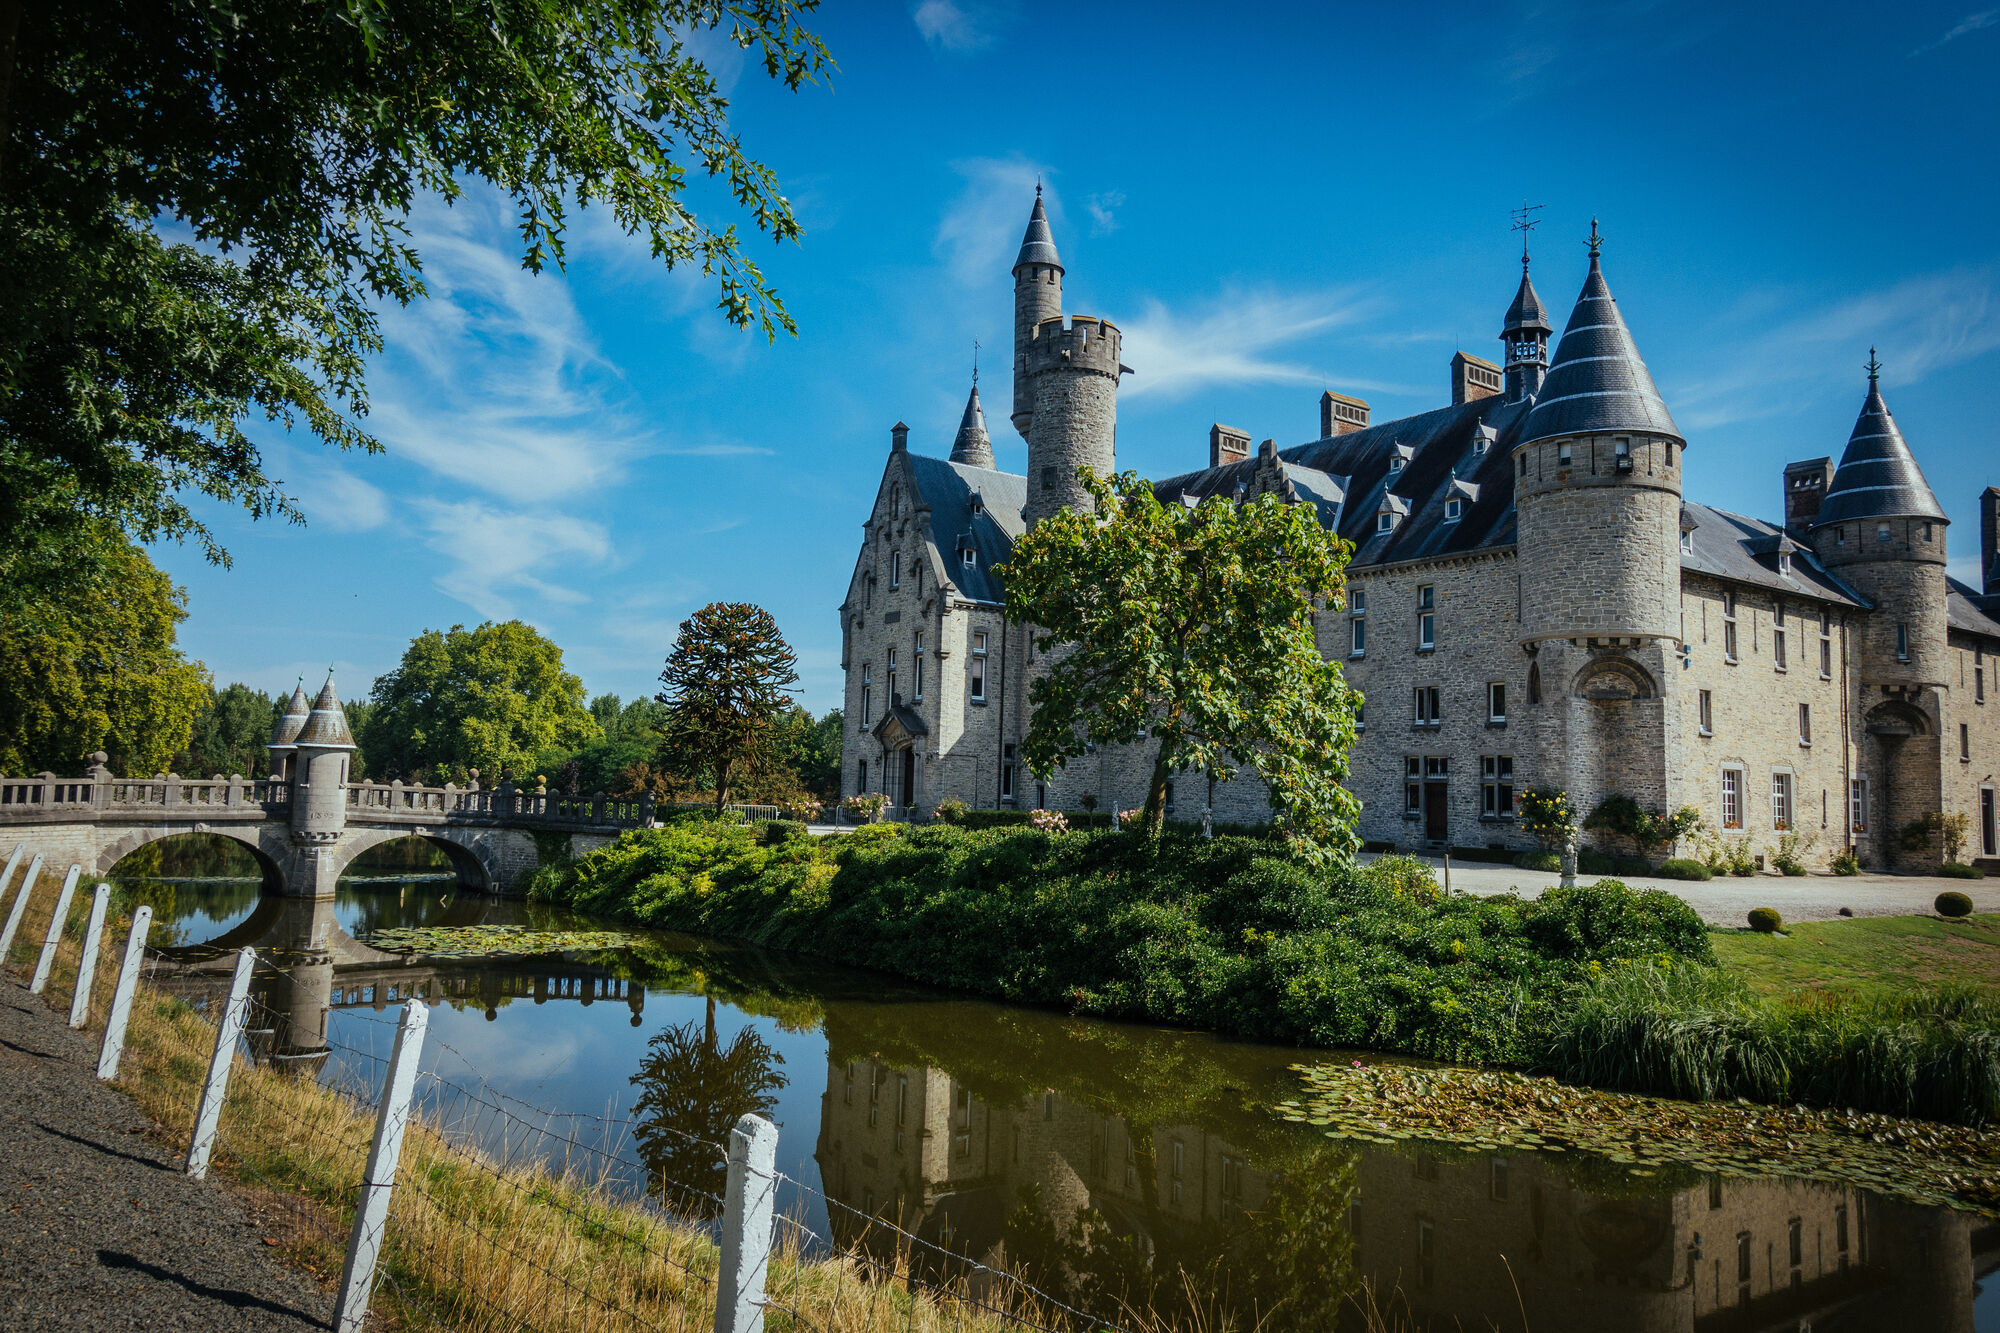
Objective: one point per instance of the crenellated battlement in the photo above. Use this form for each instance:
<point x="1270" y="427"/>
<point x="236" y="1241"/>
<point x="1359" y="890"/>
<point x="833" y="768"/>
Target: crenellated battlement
<point x="1082" y="343"/>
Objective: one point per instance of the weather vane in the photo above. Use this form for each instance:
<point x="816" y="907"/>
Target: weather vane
<point x="1596" y="242"/>
<point x="1874" y="367"/>
<point x="975" y="361"/>
<point x="1525" y="221"/>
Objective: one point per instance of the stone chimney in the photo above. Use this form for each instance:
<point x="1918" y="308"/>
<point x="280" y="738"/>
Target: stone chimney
<point x="1473" y="378"/>
<point x="899" y="438"/>
<point x="1341" y="415"/>
<point x="1989" y="541"/>
<point x="1805" y="492"/>
<point x="1226" y="445"/>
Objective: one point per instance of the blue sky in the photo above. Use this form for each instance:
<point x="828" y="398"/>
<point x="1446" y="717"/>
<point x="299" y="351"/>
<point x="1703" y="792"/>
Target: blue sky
<point x="1268" y="201"/>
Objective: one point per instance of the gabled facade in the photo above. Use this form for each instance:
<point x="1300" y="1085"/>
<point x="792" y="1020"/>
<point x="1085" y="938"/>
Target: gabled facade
<point x="1532" y="600"/>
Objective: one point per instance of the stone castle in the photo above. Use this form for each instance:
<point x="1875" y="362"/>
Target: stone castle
<point x="1531" y="601"/>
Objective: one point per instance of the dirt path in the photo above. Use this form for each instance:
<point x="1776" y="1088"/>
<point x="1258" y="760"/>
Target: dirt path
<point x="100" y="1228"/>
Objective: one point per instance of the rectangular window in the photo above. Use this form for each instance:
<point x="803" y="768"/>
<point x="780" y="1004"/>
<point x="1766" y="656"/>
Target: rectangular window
<point x="1496" y="786"/>
<point x="917" y="667"/>
<point x="969" y="558"/>
<point x="1687" y="542"/>
<point x="1007" y="773"/>
<point x="1781" y="802"/>
<point x="1360" y="645"/>
<point x="1562" y="455"/>
<point x="1729" y="627"/>
<point x="1826" y="645"/>
<point x="1453" y="509"/>
<point x="1360" y="721"/>
<point x="895" y="569"/>
<point x="1705" y="710"/>
<point x="1857" y="805"/>
<point x="1978" y="680"/>
<point x="1426" y="618"/>
<point x="1732" y="798"/>
<point x="1805" y="724"/>
<point x="1881" y="532"/>
<point x="1496" y="701"/>
<point x="1426" y="706"/>
<point x="1357" y="601"/>
<point x="977" y="688"/>
<point x="1902" y="643"/>
<point x="1437" y="765"/>
<point x="1385" y="521"/>
<point x="1413" y="788"/>
<point x="1964" y="742"/>
<point x="890" y="677"/>
<point x="867" y="695"/>
<point x="1778" y="635"/>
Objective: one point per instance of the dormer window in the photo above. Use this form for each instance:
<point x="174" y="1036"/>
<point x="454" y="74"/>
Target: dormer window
<point x="1687" y="542"/>
<point x="1395" y="466"/>
<point x="969" y="558"/>
<point x="1454" y="509"/>
<point x="978" y="506"/>
<point x="1785" y="562"/>
<point x="1385" y="522"/>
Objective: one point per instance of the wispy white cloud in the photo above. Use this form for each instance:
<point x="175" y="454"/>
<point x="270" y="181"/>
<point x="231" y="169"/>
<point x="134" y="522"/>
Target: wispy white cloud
<point x="493" y="555"/>
<point x="329" y="493"/>
<point x="954" y="26"/>
<point x="981" y="231"/>
<point x="1103" y="219"/>
<point x="1921" y="325"/>
<point x="1235" y="339"/>
<point x="1971" y="23"/>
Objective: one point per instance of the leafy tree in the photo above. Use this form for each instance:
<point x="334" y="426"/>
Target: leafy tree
<point x="728" y="682"/>
<point x="693" y="1090"/>
<point x="107" y="676"/>
<point x="291" y="140"/>
<point x="808" y="749"/>
<point x="230" y="735"/>
<point x="492" y="698"/>
<point x="1194" y="628"/>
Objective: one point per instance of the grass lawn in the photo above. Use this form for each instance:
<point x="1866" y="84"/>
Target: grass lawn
<point x="1877" y="955"/>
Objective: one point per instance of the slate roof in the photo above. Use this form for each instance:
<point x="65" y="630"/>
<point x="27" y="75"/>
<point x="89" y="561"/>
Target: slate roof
<point x="1527" y="312"/>
<point x="1038" y="243"/>
<point x="1597" y="380"/>
<point x="1965" y="609"/>
<point x="972" y="444"/>
<point x="327" y="725"/>
<point x="948" y="488"/>
<point x="1746" y="550"/>
<point x="1877" y="477"/>
<point x="294" y="720"/>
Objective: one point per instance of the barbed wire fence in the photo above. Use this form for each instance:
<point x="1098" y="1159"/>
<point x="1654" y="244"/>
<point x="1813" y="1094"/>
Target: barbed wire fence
<point x="465" y="1207"/>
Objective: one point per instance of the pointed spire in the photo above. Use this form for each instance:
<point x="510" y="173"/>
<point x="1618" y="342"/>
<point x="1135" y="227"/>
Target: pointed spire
<point x="326" y="727"/>
<point x="972" y="446"/>
<point x="1597" y="381"/>
<point x="294" y="721"/>
<point x="1038" y="243"/>
<point x="1878" y="477"/>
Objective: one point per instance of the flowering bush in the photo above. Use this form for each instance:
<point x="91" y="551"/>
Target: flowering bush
<point x="867" y="807"/>
<point x="951" y="810"/>
<point x="1049" y="821"/>
<point x="1127" y="818"/>
<point x="1548" y="816"/>
<point x="806" y="808"/>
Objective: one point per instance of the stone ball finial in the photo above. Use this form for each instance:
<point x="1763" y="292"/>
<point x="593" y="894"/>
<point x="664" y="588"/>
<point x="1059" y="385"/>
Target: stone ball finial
<point x="99" y="757"/>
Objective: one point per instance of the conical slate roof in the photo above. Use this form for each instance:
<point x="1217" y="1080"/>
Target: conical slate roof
<point x="1597" y="381"/>
<point x="1038" y="243"/>
<point x="1527" y="312"/>
<point x="294" y="720"/>
<point x="1877" y="477"/>
<point x="972" y="445"/>
<point x="327" y="726"/>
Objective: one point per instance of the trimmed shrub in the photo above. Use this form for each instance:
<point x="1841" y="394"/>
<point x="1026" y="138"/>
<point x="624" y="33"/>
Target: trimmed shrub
<point x="1958" y="870"/>
<point x="1496" y="855"/>
<point x="1684" y="867"/>
<point x="1953" y="903"/>
<point x="980" y="819"/>
<point x="1766" y="920"/>
<point x="1546" y="861"/>
<point x="1593" y="862"/>
<point x="777" y="832"/>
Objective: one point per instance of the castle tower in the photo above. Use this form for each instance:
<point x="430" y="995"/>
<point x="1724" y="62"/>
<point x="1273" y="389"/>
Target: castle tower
<point x="1038" y="275"/>
<point x="325" y="748"/>
<point x="1882" y="531"/>
<point x="282" y="747"/>
<point x="1525" y="336"/>
<point x="1597" y="479"/>
<point x="972" y="446"/>
<point x="1074" y="371"/>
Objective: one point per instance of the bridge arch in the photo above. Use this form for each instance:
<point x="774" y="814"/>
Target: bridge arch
<point x="252" y="837"/>
<point x="471" y="856"/>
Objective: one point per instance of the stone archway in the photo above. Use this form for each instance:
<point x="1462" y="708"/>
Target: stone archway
<point x="472" y="857"/>
<point x="1901" y="757"/>
<point x="255" y="838"/>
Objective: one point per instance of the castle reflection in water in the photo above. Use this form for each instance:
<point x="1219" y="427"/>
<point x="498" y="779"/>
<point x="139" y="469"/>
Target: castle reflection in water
<point x="1077" y="1189"/>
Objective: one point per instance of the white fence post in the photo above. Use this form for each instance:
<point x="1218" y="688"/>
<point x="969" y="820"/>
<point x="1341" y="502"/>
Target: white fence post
<point x="121" y="996"/>
<point x="371" y="1217"/>
<point x="209" y="1116"/>
<point x="86" y="966"/>
<point x="54" y="938"/>
<point x="746" y="1226"/>
<point x="20" y="906"/>
<point x="13" y="864"/>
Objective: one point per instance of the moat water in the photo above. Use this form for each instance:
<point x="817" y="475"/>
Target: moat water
<point x="1104" y="1159"/>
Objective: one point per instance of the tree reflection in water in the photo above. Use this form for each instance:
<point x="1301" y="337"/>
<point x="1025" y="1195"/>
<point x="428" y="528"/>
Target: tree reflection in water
<point x="693" y="1091"/>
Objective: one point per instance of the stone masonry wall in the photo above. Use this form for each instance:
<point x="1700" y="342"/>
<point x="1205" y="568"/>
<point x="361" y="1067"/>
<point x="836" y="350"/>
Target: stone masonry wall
<point x="1972" y="759"/>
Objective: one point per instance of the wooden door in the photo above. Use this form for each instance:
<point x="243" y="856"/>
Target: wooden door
<point x="1437" y="823"/>
<point x="910" y="776"/>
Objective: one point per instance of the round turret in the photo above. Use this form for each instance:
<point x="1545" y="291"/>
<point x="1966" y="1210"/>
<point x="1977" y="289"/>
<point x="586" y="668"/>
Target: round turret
<point x="1074" y="372"/>
<point x="282" y="748"/>
<point x="972" y="446"/>
<point x="1597" y="479"/>
<point x="1038" y="275"/>
<point x="325" y="749"/>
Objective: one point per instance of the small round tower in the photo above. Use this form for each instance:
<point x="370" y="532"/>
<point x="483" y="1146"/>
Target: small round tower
<point x="1038" y="275"/>
<point x="282" y="748"/>
<point x="325" y="750"/>
<point x="972" y="446"/>
<point x="1074" y="371"/>
<point x="1524" y="335"/>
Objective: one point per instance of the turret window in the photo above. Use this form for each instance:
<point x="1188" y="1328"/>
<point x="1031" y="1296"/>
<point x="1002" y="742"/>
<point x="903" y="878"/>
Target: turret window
<point x="1562" y="455"/>
<point x="1902" y="643"/>
<point x="1881" y="532"/>
<point x="1927" y="532"/>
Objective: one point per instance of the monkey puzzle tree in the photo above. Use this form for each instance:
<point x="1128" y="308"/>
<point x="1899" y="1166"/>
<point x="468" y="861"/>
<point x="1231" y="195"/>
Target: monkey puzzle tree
<point x="1191" y="628"/>
<point x="728" y="683"/>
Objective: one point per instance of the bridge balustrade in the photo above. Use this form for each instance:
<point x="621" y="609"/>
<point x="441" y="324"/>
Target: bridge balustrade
<point x="100" y="792"/>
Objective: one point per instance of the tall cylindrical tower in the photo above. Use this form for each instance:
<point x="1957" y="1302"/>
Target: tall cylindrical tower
<point x="325" y="749"/>
<point x="1038" y="275"/>
<point x="1074" y="374"/>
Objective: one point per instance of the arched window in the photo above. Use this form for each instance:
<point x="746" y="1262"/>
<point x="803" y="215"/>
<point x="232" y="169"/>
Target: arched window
<point x="1534" y="682"/>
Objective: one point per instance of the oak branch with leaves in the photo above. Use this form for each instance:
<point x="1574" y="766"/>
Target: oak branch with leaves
<point x="1194" y="628"/>
<point x="728" y="683"/>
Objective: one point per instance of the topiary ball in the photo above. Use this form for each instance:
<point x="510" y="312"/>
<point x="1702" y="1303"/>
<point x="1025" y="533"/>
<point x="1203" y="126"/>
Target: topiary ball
<point x="1765" y="920"/>
<point x="1953" y="903"/>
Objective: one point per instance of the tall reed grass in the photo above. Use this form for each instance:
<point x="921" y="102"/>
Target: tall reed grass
<point x="1701" y="1034"/>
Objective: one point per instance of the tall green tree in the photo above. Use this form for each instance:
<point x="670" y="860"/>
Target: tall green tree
<point x="727" y="684"/>
<point x="288" y="140"/>
<point x="1191" y="629"/>
<point x="229" y="736"/>
<point x="107" y="676"/>
<point x="494" y="698"/>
